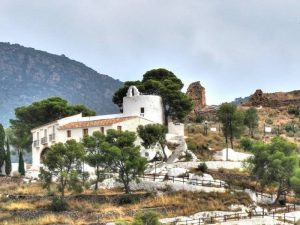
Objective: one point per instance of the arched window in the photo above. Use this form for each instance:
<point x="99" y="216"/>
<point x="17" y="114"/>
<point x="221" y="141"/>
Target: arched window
<point x="43" y="154"/>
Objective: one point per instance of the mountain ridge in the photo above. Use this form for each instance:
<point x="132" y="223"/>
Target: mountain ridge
<point x="28" y="75"/>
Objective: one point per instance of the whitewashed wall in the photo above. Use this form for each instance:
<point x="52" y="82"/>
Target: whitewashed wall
<point x="152" y="105"/>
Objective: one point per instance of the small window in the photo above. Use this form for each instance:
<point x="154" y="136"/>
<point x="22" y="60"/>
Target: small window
<point x="142" y="110"/>
<point x="85" y="132"/>
<point x="69" y="134"/>
<point x="119" y="128"/>
<point x="102" y="130"/>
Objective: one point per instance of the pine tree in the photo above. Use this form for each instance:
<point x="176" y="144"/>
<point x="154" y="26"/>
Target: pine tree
<point x="21" y="168"/>
<point x="2" y="150"/>
<point x="7" y="159"/>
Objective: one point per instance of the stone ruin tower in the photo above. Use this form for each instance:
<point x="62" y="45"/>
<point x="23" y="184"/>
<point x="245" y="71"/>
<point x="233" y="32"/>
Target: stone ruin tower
<point x="197" y="93"/>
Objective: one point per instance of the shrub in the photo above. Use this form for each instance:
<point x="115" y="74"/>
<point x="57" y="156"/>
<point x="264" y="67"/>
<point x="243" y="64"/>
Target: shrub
<point x="289" y="127"/>
<point x="269" y="121"/>
<point x="128" y="199"/>
<point x="188" y="157"/>
<point x="294" y="110"/>
<point x="191" y="144"/>
<point x="199" y="119"/>
<point x="58" y="205"/>
<point x="202" y="167"/>
<point x="146" y="218"/>
<point x="246" y="144"/>
<point x="122" y="223"/>
<point x="221" y="170"/>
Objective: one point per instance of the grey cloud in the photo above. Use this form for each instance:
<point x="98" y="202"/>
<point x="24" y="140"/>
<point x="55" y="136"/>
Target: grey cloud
<point x="232" y="46"/>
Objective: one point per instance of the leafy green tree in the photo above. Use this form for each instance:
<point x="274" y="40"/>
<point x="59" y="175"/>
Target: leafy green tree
<point x="295" y="182"/>
<point x="2" y="149"/>
<point x="237" y="126"/>
<point x="95" y="156"/>
<point x="39" y="113"/>
<point x="63" y="161"/>
<point x="122" y="155"/>
<point x="21" y="168"/>
<point x="7" y="159"/>
<point x="275" y="163"/>
<point x="152" y="134"/>
<point x="232" y="121"/>
<point x="46" y="178"/>
<point x="251" y="120"/>
<point x="166" y="84"/>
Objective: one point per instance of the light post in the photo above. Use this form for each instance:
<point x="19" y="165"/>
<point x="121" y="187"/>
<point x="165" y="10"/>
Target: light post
<point x="205" y="127"/>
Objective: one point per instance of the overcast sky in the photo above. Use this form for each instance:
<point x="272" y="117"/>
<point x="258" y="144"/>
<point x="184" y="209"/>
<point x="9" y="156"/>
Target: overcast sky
<point x="232" y="46"/>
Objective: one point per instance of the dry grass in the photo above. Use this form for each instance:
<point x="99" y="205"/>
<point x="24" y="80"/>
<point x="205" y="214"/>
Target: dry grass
<point x="23" y="205"/>
<point x="111" y="191"/>
<point x="17" y="187"/>
<point x="174" y="204"/>
<point x="45" y="220"/>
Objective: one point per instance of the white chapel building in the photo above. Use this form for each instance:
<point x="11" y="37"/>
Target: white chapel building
<point x="138" y="109"/>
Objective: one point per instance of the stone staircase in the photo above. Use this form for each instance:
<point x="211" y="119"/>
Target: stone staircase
<point x="178" y="151"/>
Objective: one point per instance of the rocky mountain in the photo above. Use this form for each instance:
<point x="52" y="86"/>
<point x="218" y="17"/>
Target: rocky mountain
<point x="28" y="75"/>
<point x="273" y="100"/>
<point x="197" y="93"/>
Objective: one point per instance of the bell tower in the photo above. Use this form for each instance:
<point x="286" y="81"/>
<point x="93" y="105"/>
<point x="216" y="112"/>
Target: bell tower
<point x="148" y="106"/>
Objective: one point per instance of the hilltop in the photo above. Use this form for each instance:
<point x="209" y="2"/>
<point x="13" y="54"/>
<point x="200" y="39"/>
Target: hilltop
<point x="29" y="75"/>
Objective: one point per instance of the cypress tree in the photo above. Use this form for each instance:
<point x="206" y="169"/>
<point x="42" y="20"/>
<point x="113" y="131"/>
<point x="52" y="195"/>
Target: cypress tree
<point x="21" y="168"/>
<point x="7" y="159"/>
<point x="2" y="150"/>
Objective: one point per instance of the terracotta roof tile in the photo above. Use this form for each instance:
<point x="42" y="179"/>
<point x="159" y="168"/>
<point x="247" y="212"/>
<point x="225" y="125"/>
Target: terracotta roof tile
<point x="95" y="123"/>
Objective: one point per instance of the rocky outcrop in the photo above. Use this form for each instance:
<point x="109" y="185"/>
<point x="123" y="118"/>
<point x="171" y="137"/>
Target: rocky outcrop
<point x="277" y="99"/>
<point x="197" y="93"/>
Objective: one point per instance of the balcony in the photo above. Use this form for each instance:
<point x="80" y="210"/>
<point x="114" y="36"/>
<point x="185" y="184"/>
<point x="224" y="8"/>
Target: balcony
<point x="44" y="140"/>
<point x="36" y="143"/>
<point x="142" y="114"/>
<point x="51" y="137"/>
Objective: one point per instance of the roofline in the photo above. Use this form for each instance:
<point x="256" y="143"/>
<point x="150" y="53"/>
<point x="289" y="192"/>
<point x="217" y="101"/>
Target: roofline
<point x="127" y="118"/>
<point x="55" y="121"/>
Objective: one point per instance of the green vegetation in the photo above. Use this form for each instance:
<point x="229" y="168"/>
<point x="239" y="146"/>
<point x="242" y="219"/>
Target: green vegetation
<point x="152" y="134"/>
<point x="203" y="167"/>
<point x="146" y="218"/>
<point x="95" y="156"/>
<point x="166" y="84"/>
<point x="39" y="113"/>
<point x="21" y="168"/>
<point x="121" y="154"/>
<point x="8" y="166"/>
<point x="251" y="120"/>
<point x="128" y="199"/>
<point x="232" y="120"/>
<point x="295" y="182"/>
<point x="63" y="160"/>
<point x="2" y="149"/>
<point x="58" y="205"/>
<point x="275" y="164"/>
<point x="191" y="144"/>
